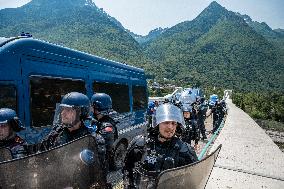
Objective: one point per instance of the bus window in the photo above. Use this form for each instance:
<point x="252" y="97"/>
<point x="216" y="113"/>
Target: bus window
<point x="119" y="94"/>
<point x="45" y="93"/>
<point x="8" y="96"/>
<point x="139" y="98"/>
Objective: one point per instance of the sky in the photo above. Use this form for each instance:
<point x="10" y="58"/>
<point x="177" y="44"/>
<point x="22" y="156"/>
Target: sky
<point x="142" y="16"/>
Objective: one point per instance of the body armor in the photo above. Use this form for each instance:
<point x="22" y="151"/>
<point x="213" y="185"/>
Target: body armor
<point x="147" y="158"/>
<point x="106" y="127"/>
<point x="61" y="135"/>
<point x="191" y="131"/>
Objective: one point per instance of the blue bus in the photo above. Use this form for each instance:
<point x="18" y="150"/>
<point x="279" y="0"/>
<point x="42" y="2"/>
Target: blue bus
<point x="35" y="75"/>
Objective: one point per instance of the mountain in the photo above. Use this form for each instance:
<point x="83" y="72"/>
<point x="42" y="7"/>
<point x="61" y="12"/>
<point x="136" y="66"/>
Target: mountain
<point x="186" y="33"/>
<point x="276" y="37"/>
<point x="281" y="31"/>
<point x="77" y="24"/>
<point x="152" y="35"/>
<point x="218" y="48"/>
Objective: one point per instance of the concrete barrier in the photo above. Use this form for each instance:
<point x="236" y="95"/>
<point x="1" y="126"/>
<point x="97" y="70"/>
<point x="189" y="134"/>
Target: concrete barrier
<point x="249" y="158"/>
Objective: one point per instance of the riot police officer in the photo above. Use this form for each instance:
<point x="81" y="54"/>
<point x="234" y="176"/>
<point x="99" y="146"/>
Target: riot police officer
<point x="201" y="116"/>
<point x="191" y="131"/>
<point x="224" y="106"/>
<point x="150" y="113"/>
<point x="68" y="120"/>
<point x="222" y="111"/>
<point x="106" y="126"/>
<point x="69" y="124"/>
<point x="218" y="114"/>
<point x="147" y="156"/>
<point x="9" y="125"/>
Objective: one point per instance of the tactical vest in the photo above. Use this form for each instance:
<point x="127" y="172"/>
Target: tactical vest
<point x="107" y="121"/>
<point x="157" y="158"/>
<point x="61" y="135"/>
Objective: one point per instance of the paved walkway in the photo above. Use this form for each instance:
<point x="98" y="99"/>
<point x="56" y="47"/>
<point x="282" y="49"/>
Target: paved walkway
<point x="248" y="158"/>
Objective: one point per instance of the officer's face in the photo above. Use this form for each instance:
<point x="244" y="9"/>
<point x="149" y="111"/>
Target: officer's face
<point x="68" y="115"/>
<point x="4" y="131"/>
<point x="168" y="129"/>
<point x="186" y="115"/>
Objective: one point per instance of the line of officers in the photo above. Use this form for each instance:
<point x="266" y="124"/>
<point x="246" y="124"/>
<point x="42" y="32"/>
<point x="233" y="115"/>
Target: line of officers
<point x="165" y="146"/>
<point x="76" y="116"/>
<point x="194" y="116"/>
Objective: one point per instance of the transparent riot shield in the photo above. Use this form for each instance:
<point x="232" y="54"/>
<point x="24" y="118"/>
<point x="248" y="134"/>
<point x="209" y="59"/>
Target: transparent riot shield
<point x="72" y="165"/>
<point x="192" y="176"/>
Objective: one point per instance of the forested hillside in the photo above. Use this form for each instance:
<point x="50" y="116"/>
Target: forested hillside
<point x="77" y="24"/>
<point x="218" y="48"/>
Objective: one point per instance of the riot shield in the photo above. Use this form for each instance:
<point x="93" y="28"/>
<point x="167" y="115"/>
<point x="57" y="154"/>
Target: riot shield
<point x="192" y="176"/>
<point x="72" y="165"/>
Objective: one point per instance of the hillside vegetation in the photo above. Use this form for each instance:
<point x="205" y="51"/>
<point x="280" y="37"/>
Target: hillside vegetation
<point x="218" y="48"/>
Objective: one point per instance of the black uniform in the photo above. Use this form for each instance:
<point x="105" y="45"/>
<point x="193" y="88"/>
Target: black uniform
<point x="191" y="131"/>
<point x="222" y="110"/>
<point x="201" y="116"/>
<point x="110" y="135"/>
<point x="60" y="135"/>
<point x="16" y="145"/>
<point x="194" y="111"/>
<point x="147" y="157"/>
<point x="218" y="115"/>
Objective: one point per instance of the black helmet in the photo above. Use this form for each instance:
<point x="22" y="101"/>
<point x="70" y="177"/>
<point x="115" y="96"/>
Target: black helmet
<point x="102" y="102"/>
<point x="202" y="99"/>
<point x="9" y="116"/>
<point x="75" y="99"/>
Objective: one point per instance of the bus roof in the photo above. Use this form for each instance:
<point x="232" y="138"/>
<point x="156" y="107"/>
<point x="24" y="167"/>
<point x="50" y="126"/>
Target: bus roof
<point x="24" y="45"/>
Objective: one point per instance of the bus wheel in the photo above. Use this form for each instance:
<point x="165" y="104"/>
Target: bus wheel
<point x="119" y="155"/>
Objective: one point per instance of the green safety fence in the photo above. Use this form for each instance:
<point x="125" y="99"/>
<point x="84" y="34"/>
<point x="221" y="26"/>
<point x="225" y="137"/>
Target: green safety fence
<point x="212" y="138"/>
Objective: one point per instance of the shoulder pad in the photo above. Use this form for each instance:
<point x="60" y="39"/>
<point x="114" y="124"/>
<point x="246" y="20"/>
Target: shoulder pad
<point x="138" y="141"/>
<point x="112" y="121"/>
<point x="19" y="140"/>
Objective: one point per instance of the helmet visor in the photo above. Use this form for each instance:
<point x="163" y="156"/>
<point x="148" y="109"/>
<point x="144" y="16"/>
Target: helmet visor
<point x="66" y="115"/>
<point x="168" y="112"/>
